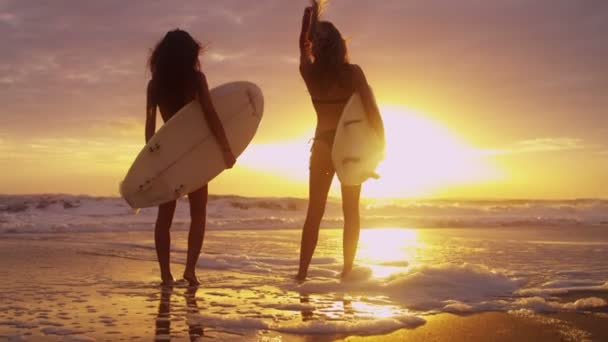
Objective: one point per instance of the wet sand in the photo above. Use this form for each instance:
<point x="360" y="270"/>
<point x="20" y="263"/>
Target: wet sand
<point x="499" y="326"/>
<point x="51" y="290"/>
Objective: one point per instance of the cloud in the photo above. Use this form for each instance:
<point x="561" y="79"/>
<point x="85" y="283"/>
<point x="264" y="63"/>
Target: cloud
<point x="69" y="150"/>
<point x="549" y="145"/>
<point x="61" y="57"/>
<point x="224" y="56"/>
<point x="539" y="145"/>
<point x="9" y="19"/>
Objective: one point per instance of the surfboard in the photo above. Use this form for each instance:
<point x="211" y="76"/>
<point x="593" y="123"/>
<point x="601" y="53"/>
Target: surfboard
<point x="184" y="155"/>
<point x="357" y="149"/>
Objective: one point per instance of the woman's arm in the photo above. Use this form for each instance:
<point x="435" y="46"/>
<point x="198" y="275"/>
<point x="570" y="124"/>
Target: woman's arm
<point x="305" y="43"/>
<point x="150" y="112"/>
<point x="214" y="122"/>
<point x="309" y="22"/>
<point x="369" y="102"/>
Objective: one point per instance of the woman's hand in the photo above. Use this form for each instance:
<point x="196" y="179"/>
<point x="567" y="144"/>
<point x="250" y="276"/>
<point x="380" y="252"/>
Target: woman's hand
<point x="229" y="158"/>
<point x="308" y="12"/>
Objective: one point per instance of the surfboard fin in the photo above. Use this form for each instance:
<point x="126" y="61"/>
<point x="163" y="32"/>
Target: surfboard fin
<point x="373" y="175"/>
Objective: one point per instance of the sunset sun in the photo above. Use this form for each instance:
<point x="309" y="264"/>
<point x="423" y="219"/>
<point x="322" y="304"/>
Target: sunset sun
<point x="422" y="156"/>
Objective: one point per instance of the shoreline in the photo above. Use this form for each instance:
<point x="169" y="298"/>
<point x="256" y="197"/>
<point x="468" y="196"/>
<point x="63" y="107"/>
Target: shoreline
<point x="54" y="289"/>
<point x="499" y="327"/>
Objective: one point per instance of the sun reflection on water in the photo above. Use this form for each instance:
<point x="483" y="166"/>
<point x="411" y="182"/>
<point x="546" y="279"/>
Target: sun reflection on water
<point x="388" y="250"/>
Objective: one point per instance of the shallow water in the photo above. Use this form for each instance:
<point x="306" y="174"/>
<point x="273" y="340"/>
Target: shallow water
<point x="401" y="275"/>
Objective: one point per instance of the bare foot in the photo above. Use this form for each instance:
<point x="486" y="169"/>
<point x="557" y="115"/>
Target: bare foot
<point x="345" y="273"/>
<point x="168" y="282"/>
<point x="300" y="278"/>
<point x="192" y="279"/>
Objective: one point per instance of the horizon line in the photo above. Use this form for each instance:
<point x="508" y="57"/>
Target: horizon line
<point x="438" y="199"/>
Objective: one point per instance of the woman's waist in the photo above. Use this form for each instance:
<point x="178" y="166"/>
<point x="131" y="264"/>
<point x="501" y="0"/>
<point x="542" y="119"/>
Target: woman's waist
<point x="326" y="135"/>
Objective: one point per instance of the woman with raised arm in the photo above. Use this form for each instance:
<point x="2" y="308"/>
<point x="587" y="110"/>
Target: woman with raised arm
<point x="331" y="81"/>
<point x="176" y="81"/>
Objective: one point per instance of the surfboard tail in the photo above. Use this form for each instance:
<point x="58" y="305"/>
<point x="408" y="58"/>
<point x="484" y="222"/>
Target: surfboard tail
<point x="373" y="175"/>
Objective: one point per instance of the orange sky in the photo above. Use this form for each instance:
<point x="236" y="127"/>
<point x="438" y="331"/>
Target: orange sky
<point x="498" y="99"/>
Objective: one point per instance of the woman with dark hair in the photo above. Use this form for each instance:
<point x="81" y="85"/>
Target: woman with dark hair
<point x="331" y="81"/>
<point x="176" y="81"/>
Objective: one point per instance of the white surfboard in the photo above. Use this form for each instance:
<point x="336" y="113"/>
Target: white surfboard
<point x="357" y="149"/>
<point x="184" y="155"/>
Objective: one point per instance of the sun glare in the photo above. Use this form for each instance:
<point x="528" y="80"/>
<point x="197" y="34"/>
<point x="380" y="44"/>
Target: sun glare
<point x="422" y="157"/>
<point x="287" y="159"/>
<point x="388" y="250"/>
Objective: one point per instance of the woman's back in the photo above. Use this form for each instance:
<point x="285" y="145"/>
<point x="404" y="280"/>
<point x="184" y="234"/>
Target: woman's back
<point x="329" y="94"/>
<point x="171" y="98"/>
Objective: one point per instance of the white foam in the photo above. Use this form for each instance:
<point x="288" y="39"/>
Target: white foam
<point x="542" y="305"/>
<point x="454" y="306"/>
<point x="562" y="287"/>
<point x="289" y="306"/>
<point x="228" y="321"/>
<point x="586" y="304"/>
<point x="429" y="286"/>
<point x="426" y="287"/>
<point x="363" y="326"/>
<point x="66" y="213"/>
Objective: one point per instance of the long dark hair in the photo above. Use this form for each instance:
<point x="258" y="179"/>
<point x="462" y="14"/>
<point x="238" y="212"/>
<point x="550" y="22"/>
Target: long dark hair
<point x="329" y="51"/>
<point x="174" y="61"/>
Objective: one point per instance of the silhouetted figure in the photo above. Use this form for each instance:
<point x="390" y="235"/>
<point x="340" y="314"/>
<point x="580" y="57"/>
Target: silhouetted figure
<point x="176" y="81"/>
<point x="331" y="81"/>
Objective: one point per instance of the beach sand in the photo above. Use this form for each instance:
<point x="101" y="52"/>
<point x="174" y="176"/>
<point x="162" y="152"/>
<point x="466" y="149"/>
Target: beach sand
<point x="498" y="326"/>
<point x="52" y="290"/>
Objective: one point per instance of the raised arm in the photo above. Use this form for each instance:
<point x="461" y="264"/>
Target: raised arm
<point x="150" y="112"/>
<point x="369" y="102"/>
<point x="309" y="22"/>
<point x="305" y="39"/>
<point x="214" y="122"/>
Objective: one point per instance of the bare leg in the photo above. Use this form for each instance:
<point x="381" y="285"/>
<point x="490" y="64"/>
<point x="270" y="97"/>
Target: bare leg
<point x="352" y="226"/>
<point x="198" y="213"/>
<point x="319" y="183"/>
<point x="162" y="239"/>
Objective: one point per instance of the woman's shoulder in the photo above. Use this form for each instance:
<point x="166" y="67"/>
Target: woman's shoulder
<point x="355" y="68"/>
<point x="357" y="73"/>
